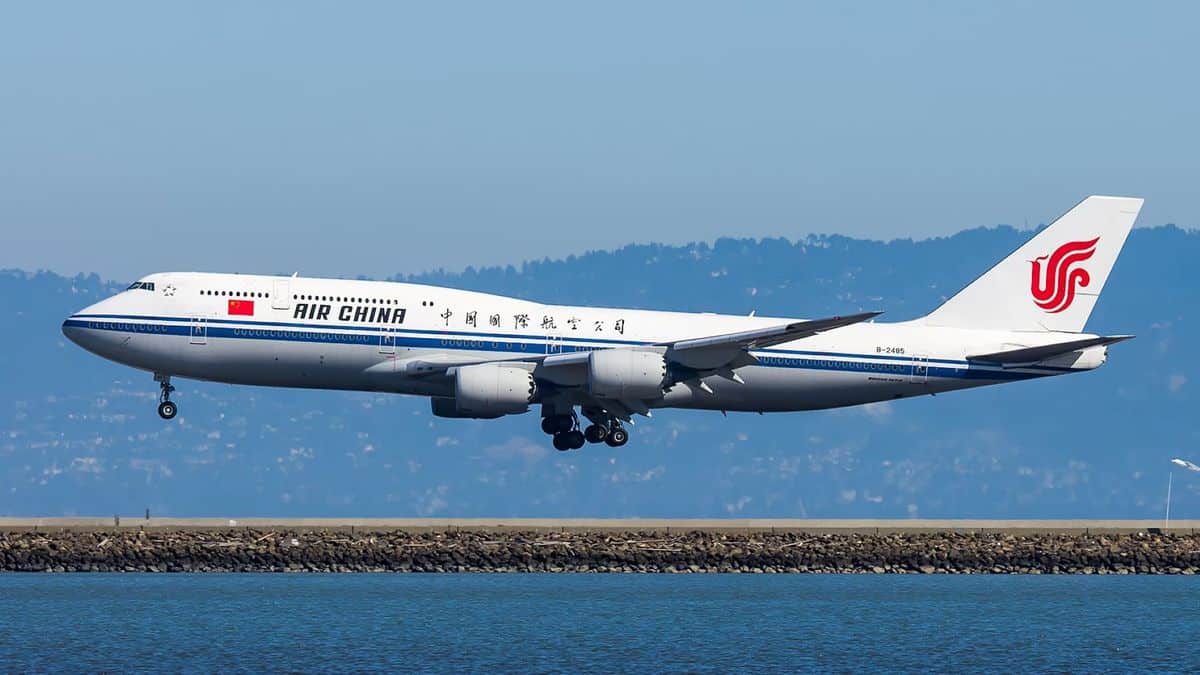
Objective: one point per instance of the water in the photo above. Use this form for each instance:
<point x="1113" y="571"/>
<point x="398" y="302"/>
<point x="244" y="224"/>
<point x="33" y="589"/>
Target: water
<point x="546" y="622"/>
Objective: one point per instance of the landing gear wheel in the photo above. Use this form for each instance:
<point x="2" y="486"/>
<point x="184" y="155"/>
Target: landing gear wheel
<point x="565" y="423"/>
<point x="561" y="443"/>
<point x="575" y="439"/>
<point x="617" y="437"/>
<point x="166" y="409"/>
<point x="595" y="433"/>
<point x="549" y="426"/>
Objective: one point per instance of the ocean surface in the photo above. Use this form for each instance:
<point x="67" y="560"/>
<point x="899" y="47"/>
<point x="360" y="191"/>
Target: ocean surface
<point x="566" y="622"/>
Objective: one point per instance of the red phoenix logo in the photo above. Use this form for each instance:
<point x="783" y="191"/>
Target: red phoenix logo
<point x="1054" y="290"/>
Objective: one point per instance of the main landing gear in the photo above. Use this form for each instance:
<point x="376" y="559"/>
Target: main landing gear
<point x="565" y="430"/>
<point x="166" y="409"/>
<point x="567" y="436"/>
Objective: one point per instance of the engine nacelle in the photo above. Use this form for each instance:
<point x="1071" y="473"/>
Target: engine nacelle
<point x="447" y="407"/>
<point x="626" y="374"/>
<point x="490" y="390"/>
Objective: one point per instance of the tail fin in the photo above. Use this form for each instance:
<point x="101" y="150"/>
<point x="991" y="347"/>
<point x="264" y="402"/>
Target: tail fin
<point x="1053" y="281"/>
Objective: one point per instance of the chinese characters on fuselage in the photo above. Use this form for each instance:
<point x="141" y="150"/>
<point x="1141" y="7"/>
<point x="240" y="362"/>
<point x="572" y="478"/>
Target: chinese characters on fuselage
<point x="548" y="322"/>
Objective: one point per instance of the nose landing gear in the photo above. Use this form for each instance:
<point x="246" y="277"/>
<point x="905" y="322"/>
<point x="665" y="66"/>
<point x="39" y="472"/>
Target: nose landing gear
<point x="166" y="409"/>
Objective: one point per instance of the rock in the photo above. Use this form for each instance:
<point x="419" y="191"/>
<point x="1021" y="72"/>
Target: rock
<point x="693" y="552"/>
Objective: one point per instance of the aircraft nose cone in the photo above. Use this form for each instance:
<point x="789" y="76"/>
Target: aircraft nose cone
<point x="76" y="329"/>
<point x="73" y="329"/>
<point x="69" y="330"/>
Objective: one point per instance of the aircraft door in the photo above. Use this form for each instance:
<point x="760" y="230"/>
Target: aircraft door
<point x="281" y="297"/>
<point x="198" y="334"/>
<point x="920" y="369"/>
<point x="387" y="341"/>
<point x="553" y="342"/>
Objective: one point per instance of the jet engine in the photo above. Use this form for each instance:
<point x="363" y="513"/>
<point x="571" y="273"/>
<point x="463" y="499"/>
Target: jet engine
<point x="626" y="374"/>
<point x="490" y="390"/>
<point x="448" y="407"/>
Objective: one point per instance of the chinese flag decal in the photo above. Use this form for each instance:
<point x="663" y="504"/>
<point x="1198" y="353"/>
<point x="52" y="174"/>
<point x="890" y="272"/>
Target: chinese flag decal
<point x="241" y="307"/>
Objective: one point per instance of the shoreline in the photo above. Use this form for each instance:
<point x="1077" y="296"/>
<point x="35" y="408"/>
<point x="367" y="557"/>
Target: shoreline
<point x="90" y="548"/>
<point x="664" y="525"/>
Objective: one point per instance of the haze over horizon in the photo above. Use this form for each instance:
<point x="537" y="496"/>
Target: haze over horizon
<point x="428" y="272"/>
<point x="385" y="139"/>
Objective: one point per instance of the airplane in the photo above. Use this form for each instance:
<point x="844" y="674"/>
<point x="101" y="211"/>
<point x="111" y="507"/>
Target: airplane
<point x="484" y="356"/>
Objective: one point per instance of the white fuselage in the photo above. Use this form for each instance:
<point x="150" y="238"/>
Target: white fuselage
<point x="359" y="335"/>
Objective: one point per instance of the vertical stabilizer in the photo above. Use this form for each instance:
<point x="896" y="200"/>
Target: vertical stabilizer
<point x="1053" y="281"/>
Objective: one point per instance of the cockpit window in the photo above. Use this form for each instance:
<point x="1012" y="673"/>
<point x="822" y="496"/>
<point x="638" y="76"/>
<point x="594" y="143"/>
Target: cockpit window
<point x="143" y="285"/>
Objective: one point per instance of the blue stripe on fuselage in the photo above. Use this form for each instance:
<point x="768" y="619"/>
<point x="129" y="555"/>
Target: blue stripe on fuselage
<point x="899" y="366"/>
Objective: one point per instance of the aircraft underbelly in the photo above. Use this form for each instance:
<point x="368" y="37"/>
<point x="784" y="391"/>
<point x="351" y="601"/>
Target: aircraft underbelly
<point x="364" y="367"/>
<point x="768" y="389"/>
<point x="275" y="363"/>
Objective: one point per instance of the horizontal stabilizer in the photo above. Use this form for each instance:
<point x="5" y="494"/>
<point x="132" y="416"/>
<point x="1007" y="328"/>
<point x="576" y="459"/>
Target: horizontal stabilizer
<point x="1043" y="352"/>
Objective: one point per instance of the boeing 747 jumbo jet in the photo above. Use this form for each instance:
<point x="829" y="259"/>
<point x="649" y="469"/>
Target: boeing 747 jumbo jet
<point x="484" y="356"/>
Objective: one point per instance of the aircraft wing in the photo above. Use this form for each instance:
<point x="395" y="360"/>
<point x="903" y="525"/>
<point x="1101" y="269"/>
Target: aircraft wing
<point x="436" y="364"/>
<point x="1043" y="352"/>
<point x="704" y="353"/>
<point x="720" y="350"/>
<point x="570" y="365"/>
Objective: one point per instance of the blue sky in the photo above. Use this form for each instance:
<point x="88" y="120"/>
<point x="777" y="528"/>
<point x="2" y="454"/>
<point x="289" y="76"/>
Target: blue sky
<point x="362" y="138"/>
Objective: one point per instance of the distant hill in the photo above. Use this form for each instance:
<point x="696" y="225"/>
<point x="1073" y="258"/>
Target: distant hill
<point x="79" y="435"/>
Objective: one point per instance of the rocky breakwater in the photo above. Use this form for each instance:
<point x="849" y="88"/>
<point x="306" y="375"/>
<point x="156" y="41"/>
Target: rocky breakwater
<point x="245" y="550"/>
